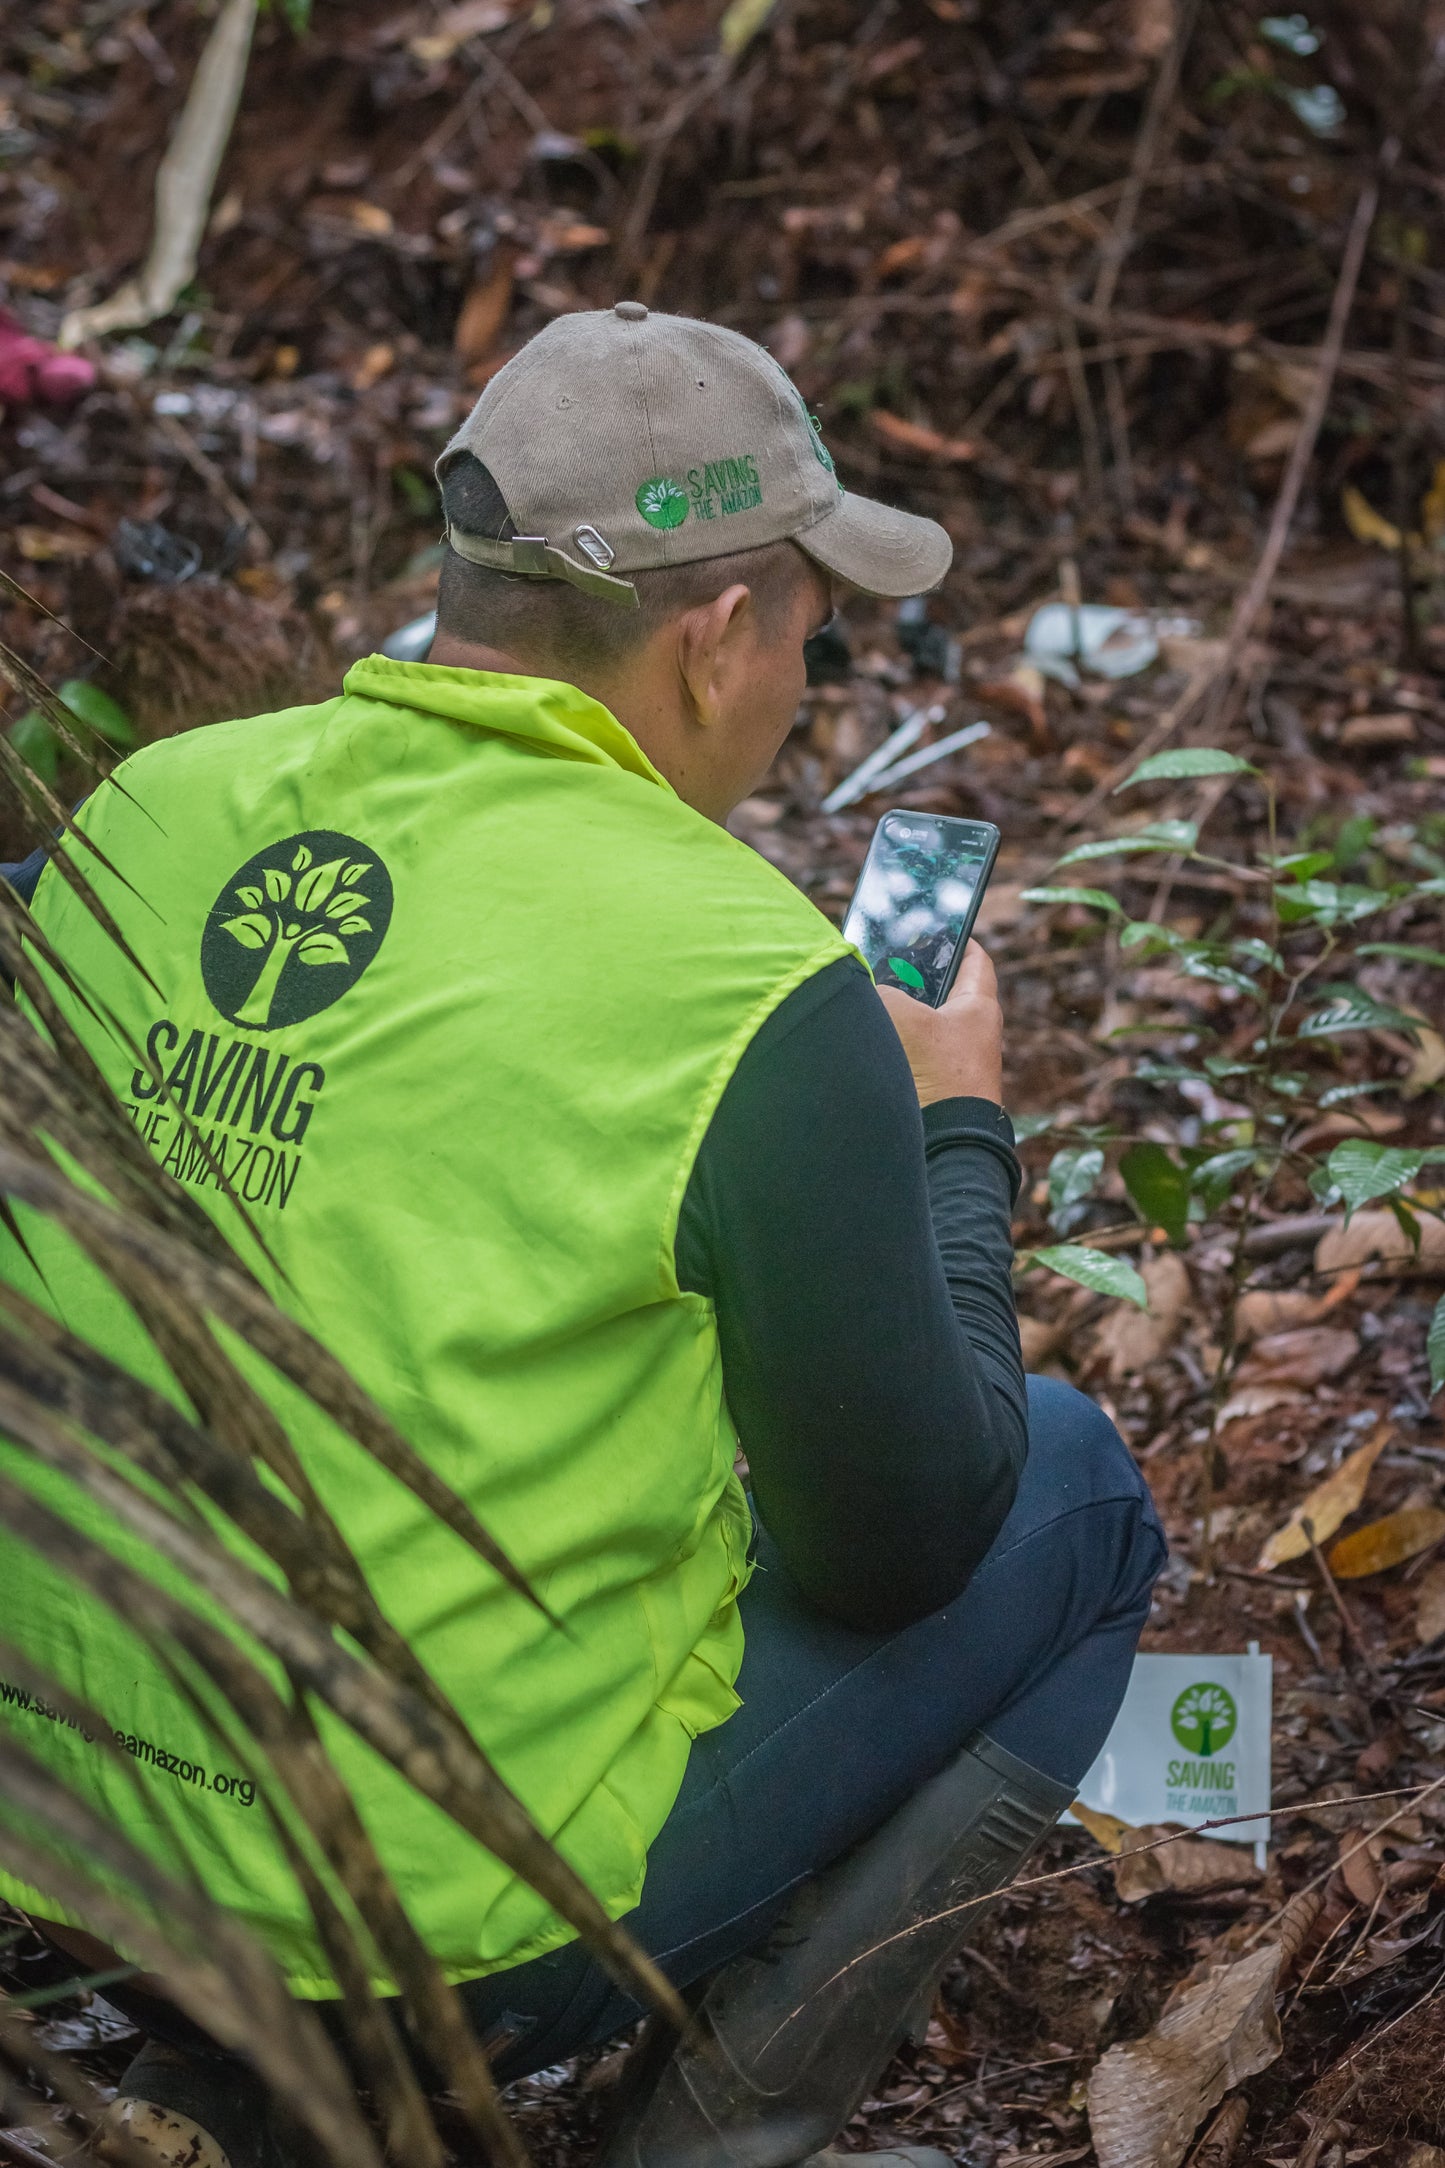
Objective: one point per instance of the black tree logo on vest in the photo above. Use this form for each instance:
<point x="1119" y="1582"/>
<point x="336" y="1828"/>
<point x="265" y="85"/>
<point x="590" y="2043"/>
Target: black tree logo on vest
<point x="294" y="929"/>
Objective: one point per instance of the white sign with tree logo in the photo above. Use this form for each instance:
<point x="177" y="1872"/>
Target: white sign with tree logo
<point x="1189" y="1745"/>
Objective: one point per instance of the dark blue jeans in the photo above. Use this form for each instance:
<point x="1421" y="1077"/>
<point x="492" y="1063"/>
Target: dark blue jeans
<point x="837" y="1728"/>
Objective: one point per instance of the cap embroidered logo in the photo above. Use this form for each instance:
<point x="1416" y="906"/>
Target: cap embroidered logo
<point x="662" y="503"/>
<point x="294" y="929"/>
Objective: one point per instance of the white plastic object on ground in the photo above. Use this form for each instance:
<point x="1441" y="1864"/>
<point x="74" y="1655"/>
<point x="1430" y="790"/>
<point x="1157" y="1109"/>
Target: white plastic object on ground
<point x="1106" y="641"/>
<point x="856" y="785"/>
<point x="1190" y="1743"/>
<point x="409" y="643"/>
<point x="927" y="755"/>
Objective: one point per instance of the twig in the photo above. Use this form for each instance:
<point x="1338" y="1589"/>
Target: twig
<point x="1256" y="594"/>
<point x="202" y="464"/>
<point x="1146" y="146"/>
<point x="1332" y="1590"/>
<point x="1216" y="2149"/>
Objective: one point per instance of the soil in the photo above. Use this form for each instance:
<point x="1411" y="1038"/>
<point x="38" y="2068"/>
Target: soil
<point x="916" y="206"/>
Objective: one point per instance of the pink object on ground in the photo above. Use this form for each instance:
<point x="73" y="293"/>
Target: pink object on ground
<point x="32" y="371"/>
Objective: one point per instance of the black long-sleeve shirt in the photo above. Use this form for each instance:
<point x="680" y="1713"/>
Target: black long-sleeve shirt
<point x="858" y="1258"/>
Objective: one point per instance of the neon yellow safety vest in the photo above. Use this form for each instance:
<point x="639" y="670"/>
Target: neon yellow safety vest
<point x="452" y="981"/>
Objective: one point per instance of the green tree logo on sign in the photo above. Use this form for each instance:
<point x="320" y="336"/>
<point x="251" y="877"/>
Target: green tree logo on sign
<point x="1204" y="1719"/>
<point x="294" y="929"/>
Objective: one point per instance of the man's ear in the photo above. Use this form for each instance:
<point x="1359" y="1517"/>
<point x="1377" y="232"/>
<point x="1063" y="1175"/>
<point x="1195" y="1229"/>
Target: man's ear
<point x="710" y="648"/>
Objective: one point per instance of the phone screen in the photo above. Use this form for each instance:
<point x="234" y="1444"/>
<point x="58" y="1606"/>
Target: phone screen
<point x="917" y="897"/>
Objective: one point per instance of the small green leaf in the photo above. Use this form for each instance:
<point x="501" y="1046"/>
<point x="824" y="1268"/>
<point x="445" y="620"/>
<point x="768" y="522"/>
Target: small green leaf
<point x="1358" y="1013"/>
<point x="1159" y="1187"/>
<point x="1203" y="966"/>
<point x="322" y="948"/>
<point x="1094" y="1269"/>
<point x="1330" y="903"/>
<point x="1435" y="1347"/>
<point x="302" y="859"/>
<point x="1212" y="1178"/>
<point x="1299" y="865"/>
<point x="346" y="900"/>
<point x="1362" y="1171"/>
<point x="1339" y="1093"/>
<point x="354" y="924"/>
<point x="251" y="897"/>
<point x="1406" y="952"/>
<point x="1158" y="836"/>
<point x="1072" y="1175"/>
<point x="37" y="745"/>
<point x="352" y="873"/>
<point x="252" y="931"/>
<point x="1098" y="897"/>
<point x="909" y="973"/>
<point x="278" y="884"/>
<point x="1189" y="760"/>
<point x="1031" y="1125"/>
<point x="1409" y="1222"/>
<point x="1258" y="952"/>
<point x="106" y="717"/>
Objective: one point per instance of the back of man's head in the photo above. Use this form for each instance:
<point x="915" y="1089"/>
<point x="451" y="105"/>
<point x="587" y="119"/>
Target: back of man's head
<point x="625" y="468"/>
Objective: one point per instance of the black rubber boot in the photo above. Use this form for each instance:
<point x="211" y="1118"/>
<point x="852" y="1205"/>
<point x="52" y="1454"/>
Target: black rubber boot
<point x="196" y="2111"/>
<point x="788" y="2040"/>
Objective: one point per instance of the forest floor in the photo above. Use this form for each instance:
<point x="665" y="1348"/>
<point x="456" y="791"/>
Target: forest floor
<point x="916" y="218"/>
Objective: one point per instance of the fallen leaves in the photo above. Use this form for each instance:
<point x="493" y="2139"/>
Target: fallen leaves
<point x="918" y="441"/>
<point x="1283" y="1365"/>
<point x="1387" y="1542"/>
<point x="1148" y="2097"/>
<point x="1130" y="1339"/>
<point x="1327" y="1506"/>
<point x="484" y="311"/>
<point x="1379" y="1235"/>
<point x="1430" y="1605"/>
<point x="1190" y="1867"/>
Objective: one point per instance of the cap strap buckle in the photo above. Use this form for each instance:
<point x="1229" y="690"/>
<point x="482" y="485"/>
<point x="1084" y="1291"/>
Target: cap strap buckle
<point x="533" y="557"/>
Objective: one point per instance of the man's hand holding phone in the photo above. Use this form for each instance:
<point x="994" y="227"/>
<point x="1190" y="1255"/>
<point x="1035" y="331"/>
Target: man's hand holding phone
<point x="955" y="1052"/>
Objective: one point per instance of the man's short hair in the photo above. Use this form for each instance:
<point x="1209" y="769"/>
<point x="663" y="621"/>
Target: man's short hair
<point x="552" y="624"/>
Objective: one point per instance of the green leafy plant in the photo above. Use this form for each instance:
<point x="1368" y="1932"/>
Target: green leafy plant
<point x="39" y="743"/>
<point x="1286" y="960"/>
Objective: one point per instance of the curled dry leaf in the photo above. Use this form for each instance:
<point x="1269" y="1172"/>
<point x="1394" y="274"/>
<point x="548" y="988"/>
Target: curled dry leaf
<point x="1148" y="2097"/>
<point x="1190" y="1867"/>
<point x="1129" y="1338"/>
<point x="1387" y="1542"/>
<point x="1328" y="1505"/>
<point x="1269" y="1310"/>
<point x="1372" y="1235"/>
<point x="1106" y="1830"/>
<point x="923" y="443"/>
<point x="1305" y="1357"/>
<point x="1359" y="1869"/>
<point x="1430" y="1604"/>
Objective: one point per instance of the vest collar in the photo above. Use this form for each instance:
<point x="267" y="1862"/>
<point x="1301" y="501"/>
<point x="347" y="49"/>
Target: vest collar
<point x="553" y="717"/>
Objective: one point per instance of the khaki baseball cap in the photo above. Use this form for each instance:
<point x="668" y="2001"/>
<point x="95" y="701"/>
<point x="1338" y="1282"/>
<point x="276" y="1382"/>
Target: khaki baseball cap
<point x="623" y="441"/>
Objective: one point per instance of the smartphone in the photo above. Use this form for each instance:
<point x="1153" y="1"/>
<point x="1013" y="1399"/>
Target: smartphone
<point x="917" y="898"/>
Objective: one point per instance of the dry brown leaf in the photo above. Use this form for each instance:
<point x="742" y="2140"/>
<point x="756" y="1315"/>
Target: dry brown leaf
<point x="1282" y="1309"/>
<point x="1430" y="1604"/>
<point x="1427" y="1066"/>
<point x="1148" y="2097"/>
<point x="1259" y="1400"/>
<point x="1190" y="1867"/>
<point x="1386" y="1542"/>
<point x="1327" y="1505"/>
<point x="1358" y="1869"/>
<point x="1395" y="729"/>
<point x="485" y="311"/>
<point x="904" y="436"/>
<point x="1105" y="1829"/>
<point x="1379" y="1234"/>
<point x="1132" y="1338"/>
<point x="1304" y="1357"/>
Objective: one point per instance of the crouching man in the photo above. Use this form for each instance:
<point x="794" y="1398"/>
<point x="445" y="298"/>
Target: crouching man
<point x="591" y="1150"/>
